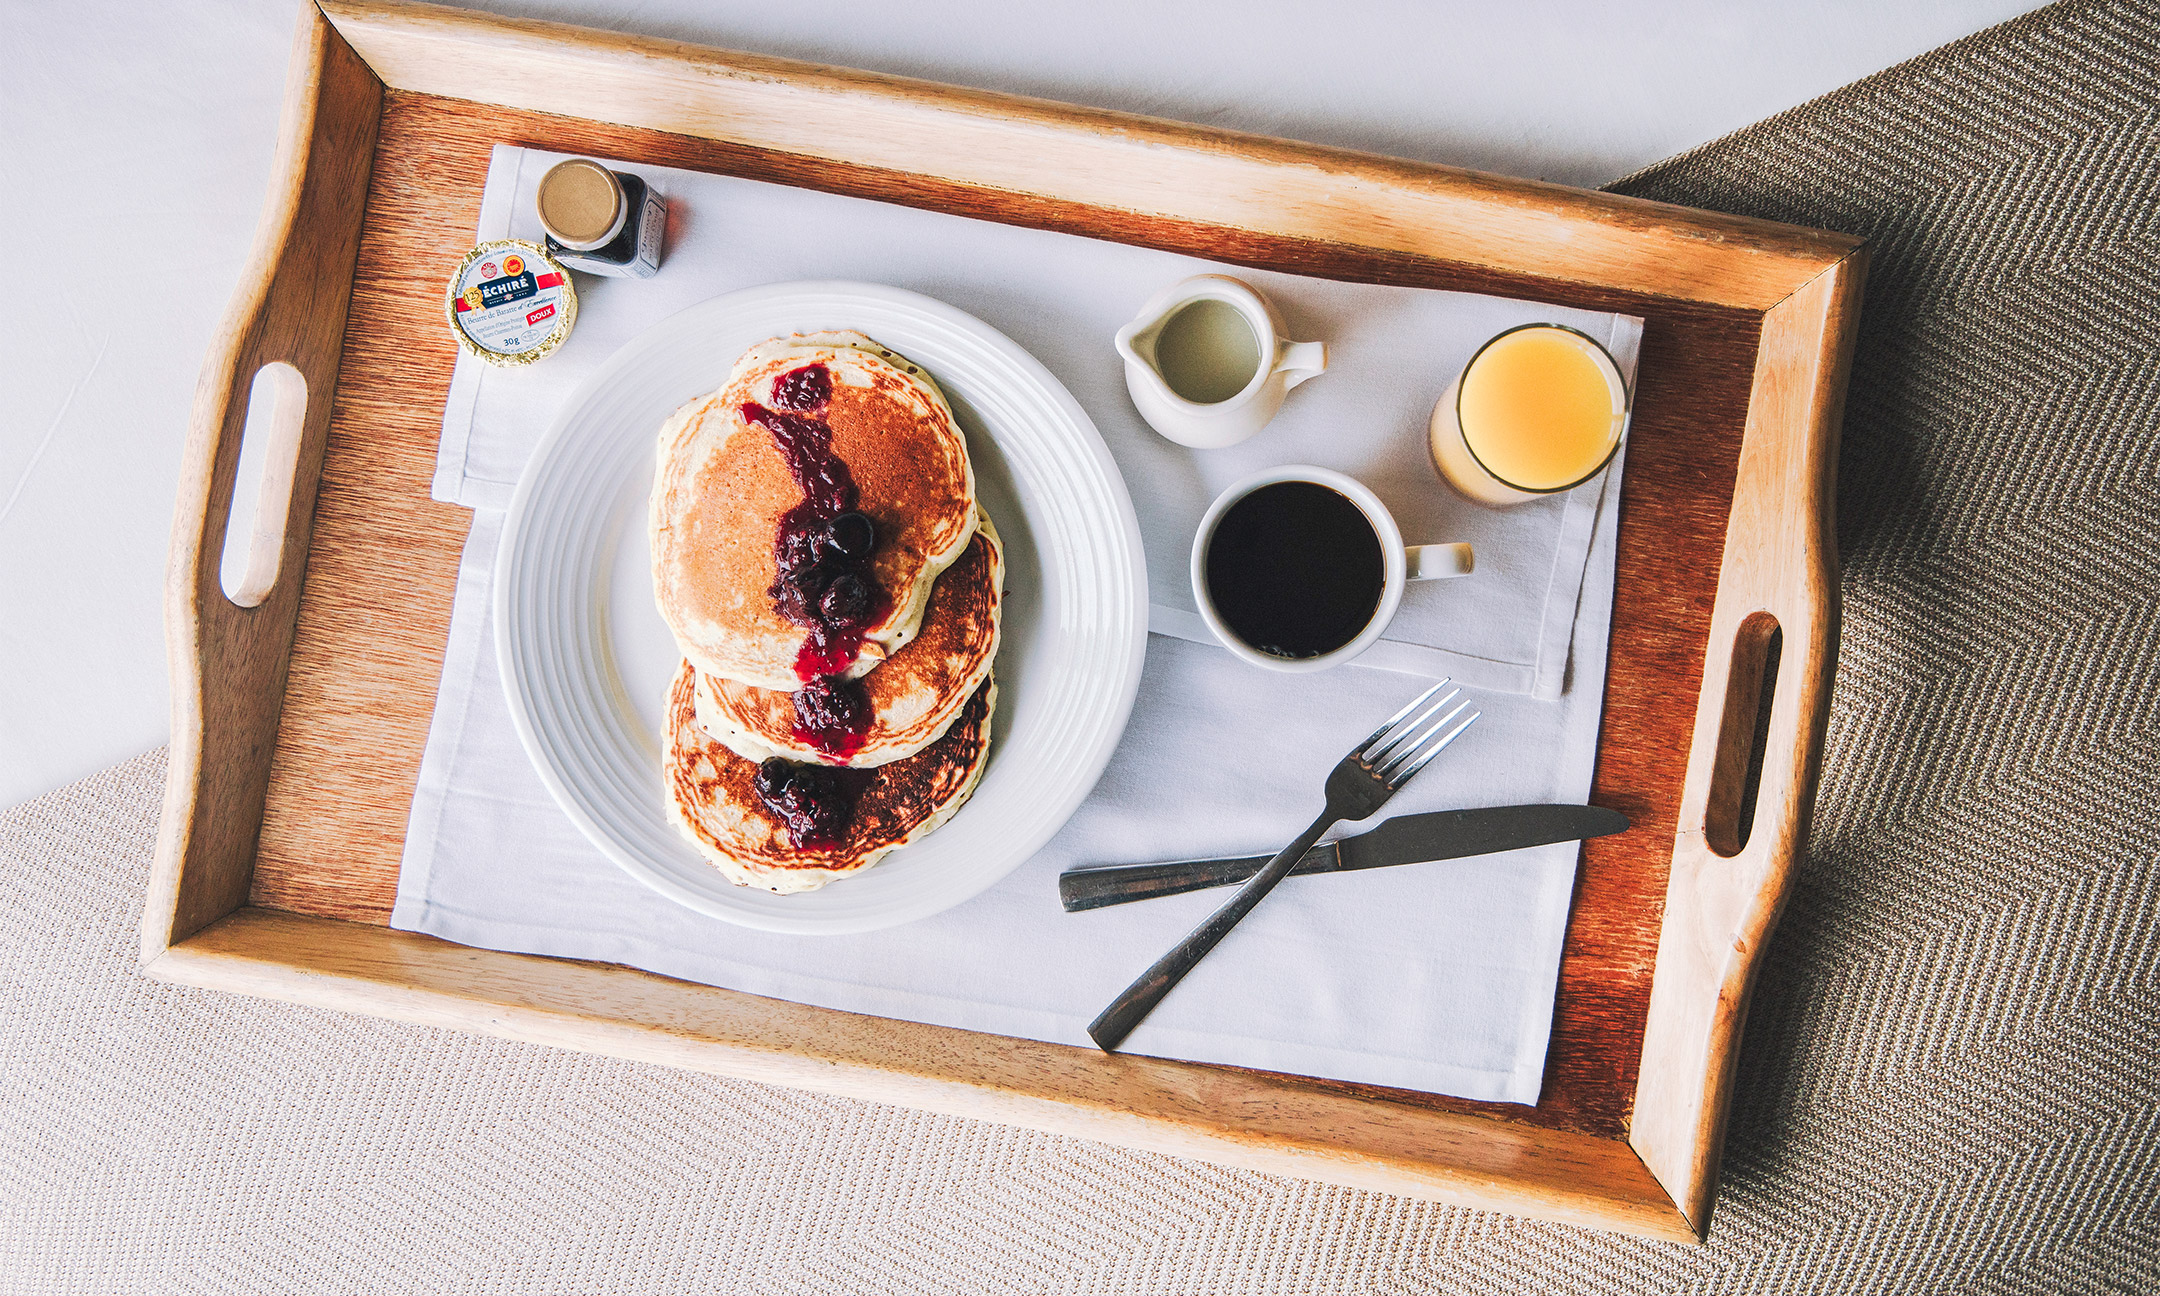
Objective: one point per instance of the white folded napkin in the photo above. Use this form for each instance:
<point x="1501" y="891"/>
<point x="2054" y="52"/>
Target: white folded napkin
<point x="1437" y="977"/>
<point x="1392" y="352"/>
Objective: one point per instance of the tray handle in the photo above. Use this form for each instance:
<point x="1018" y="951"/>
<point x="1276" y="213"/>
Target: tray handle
<point x="1773" y="638"/>
<point x="227" y="662"/>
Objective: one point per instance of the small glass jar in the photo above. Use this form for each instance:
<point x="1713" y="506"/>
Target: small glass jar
<point x="600" y="221"/>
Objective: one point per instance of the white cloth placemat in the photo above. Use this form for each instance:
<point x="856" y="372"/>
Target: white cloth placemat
<point x="1393" y="351"/>
<point x="1435" y="977"/>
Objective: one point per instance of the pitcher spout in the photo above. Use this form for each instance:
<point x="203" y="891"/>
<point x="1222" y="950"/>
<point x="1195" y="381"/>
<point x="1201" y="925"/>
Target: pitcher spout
<point x="1136" y="341"/>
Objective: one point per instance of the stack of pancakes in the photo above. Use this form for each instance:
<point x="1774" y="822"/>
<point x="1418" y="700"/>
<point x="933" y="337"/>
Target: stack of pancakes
<point x="738" y="471"/>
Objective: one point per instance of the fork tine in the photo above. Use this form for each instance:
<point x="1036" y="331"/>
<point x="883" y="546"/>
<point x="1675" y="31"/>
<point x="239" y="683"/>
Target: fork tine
<point x="1417" y="738"/>
<point x="1408" y="732"/>
<point x="1415" y="703"/>
<point x="1418" y="760"/>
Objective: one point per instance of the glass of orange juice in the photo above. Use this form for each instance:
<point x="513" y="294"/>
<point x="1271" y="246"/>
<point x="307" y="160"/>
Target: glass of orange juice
<point x="1539" y="409"/>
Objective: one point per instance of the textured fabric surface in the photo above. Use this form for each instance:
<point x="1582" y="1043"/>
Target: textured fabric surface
<point x="1951" y="1081"/>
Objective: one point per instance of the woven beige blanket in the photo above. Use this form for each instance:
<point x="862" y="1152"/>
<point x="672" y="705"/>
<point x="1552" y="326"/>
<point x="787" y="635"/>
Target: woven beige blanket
<point x="1951" y="1081"/>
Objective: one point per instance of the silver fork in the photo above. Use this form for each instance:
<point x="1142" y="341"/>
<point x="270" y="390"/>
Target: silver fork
<point x="1359" y="784"/>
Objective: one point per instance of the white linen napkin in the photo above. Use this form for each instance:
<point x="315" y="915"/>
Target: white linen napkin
<point x="1392" y="352"/>
<point x="1437" y="977"/>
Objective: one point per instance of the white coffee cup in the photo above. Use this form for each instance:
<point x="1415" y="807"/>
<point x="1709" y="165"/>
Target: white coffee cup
<point x="1400" y="564"/>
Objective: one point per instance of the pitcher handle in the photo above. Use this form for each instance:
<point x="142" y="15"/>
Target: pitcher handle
<point x="1301" y="360"/>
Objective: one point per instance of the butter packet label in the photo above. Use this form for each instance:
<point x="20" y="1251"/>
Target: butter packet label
<point x="510" y="303"/>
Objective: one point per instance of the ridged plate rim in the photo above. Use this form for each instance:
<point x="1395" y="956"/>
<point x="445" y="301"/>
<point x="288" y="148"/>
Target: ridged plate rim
<point x="1067" y="704"/>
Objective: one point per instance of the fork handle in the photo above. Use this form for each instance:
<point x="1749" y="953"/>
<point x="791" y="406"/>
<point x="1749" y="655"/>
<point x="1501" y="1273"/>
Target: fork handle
<point x="1132" y="1007"/>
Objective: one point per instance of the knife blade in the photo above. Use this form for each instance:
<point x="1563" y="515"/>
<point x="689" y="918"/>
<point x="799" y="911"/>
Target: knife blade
<point x="1405" y="839"/>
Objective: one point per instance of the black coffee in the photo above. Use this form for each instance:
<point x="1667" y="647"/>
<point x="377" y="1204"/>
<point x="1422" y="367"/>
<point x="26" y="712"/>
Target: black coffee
<point x="1295" y="569"/>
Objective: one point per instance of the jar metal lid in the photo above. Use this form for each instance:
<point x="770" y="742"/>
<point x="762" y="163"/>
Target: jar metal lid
<point x="581" y="204"/>
<point x="510" y="303"/>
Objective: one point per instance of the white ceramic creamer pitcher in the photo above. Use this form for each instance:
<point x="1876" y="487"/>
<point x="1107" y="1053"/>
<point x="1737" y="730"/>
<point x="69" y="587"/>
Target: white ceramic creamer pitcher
<point x="1207" y="363"/>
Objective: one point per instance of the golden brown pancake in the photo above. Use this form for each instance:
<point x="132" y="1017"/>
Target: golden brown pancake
<point x="713" y="799"/>
<point x="913" y="695"/>
<point x="722" y="486"/>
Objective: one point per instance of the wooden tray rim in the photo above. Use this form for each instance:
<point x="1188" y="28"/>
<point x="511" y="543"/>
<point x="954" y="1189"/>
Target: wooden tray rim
<point x="228" y="663"/>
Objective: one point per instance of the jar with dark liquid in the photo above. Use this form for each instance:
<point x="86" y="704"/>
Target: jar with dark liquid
<point x="600" y="221"/>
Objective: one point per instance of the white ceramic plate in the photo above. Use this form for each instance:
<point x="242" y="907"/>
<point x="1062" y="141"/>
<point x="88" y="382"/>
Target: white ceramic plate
<point x="586" y="660"/>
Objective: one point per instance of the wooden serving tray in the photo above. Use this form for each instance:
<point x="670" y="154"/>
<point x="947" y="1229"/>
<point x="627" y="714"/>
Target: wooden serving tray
<point x="298" y="722"/>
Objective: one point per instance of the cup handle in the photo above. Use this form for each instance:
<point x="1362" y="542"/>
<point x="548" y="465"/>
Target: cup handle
<point x="1439" y="561"/>
<point x="1301" y="360"/>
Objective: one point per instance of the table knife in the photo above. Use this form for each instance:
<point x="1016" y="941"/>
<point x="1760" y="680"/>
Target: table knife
<point x="1405" y="839"/>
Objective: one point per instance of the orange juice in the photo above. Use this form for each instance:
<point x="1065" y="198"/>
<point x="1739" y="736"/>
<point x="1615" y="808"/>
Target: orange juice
<point x="1538" y="410"/>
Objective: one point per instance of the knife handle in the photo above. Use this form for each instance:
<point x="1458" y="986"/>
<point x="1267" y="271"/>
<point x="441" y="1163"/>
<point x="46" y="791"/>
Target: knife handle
<point x="1101" y="885"/>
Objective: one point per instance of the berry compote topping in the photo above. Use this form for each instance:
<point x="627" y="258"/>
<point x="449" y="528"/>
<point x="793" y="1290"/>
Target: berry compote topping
<point x="852" y="536"/>
<point x="822" y="553"/>
<point x="833" y="715"/>
<point x="814" y="801"/>
<point x="804" y="390"/>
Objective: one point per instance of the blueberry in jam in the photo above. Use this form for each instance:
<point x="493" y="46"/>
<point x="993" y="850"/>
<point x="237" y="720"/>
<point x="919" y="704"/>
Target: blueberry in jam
<point x="803" y="390"/>
<point x="773" y="777"/>
<point x="798" y="553"/>
<point x="845" y="603"/>
<point x="813" y="801"/>
<point x="852" y="535"/>
<point x="832" y="715"/>
<point x="831" y="703"/>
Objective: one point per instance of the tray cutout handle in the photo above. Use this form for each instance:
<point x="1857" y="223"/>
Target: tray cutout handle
<point x="254" y="545"/>
<point x="1759" y="725"/>
<point x="1743" y="734"/>
<point x="232" y="591"/>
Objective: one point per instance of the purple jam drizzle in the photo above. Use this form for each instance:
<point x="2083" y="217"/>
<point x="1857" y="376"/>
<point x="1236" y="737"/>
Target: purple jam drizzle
<point x="822" y="553"/>
<point x="804" y="390"/>
<point x="811" y="555"/>
<point x="815" y="801"/>
<point x="833" y="715"/>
